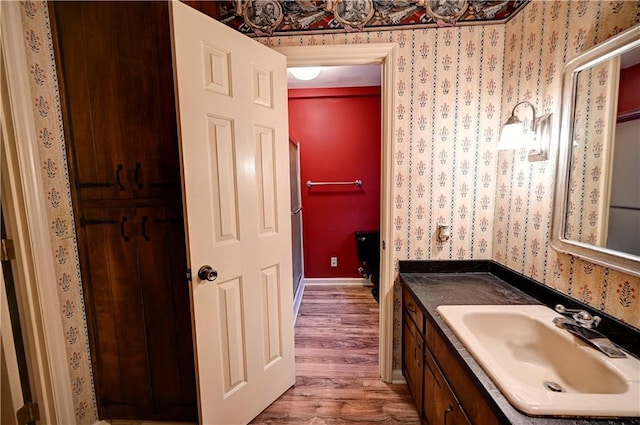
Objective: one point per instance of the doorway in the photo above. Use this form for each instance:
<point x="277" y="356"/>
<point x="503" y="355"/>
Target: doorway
<point x="384" y="55"/>
<point x="335" y="117"/>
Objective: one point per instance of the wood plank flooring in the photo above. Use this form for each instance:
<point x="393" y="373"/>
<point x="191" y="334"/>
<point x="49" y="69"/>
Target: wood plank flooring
<point x="337" y="365"/>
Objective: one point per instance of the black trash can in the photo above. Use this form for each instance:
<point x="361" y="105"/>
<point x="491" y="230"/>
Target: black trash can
<point x="368" y="251"/>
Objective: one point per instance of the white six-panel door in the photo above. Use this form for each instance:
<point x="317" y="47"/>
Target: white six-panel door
<point x="232" y="115"/>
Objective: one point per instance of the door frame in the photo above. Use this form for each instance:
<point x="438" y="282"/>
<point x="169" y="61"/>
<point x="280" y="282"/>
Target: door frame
<point x="23" y="202"/>
<point x="367" y="54"/>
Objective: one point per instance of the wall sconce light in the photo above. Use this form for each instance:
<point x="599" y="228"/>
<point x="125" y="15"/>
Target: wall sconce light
<point x="516" y="134"/>
<point x="305" y="73"/>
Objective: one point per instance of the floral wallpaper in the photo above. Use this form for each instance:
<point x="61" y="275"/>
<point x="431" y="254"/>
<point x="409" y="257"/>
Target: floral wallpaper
<point x="55" y="181"/>
<point x="454" y="87"/>
<point x="538" y="42"/>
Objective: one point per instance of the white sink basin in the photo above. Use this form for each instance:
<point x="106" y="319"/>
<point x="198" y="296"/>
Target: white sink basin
<point x="540" y="368"/>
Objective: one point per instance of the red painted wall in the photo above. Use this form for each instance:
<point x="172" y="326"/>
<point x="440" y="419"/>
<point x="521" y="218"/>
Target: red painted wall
<point x="629" y="92"/>
<point x="339" y="135"/>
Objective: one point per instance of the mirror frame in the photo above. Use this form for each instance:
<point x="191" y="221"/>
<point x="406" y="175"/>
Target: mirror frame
<point x="618" y="260"/>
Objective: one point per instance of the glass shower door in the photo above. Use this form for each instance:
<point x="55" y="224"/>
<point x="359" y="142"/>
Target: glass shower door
<point x="296" y="213"/>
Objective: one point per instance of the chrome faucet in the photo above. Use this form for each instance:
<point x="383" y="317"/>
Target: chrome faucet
<point x="580" y="316"/>
<point x="581" y="324"/>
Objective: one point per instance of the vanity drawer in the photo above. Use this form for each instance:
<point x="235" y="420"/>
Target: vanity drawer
<point x="412" y="308"/>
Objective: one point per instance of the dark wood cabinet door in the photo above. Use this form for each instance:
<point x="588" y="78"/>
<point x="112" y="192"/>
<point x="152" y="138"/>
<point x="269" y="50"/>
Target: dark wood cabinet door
<point x="440" y="405"/>
<point x="135" y="268"/>
<point x="413" y="345"/>
<point x="112" y="273"/>
<point x="89" y="67"/>
<point x="148" y="103"/>
<point x="161" y="248"/>
<point x="117" y="85"/>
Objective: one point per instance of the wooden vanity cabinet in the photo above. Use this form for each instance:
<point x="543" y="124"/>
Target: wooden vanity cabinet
<point x="448" y="395"/>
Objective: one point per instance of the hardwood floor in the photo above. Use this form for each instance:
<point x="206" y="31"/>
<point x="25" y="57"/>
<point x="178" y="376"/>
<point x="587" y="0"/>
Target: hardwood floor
<point x="337" y="365"/>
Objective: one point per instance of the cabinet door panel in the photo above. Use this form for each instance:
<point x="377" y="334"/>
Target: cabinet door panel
<point x="413" y="345"/>
<point x="117" y="304"/>
<point x="471" y="399"/>
<point x="136" y="269"/>
<point x="440" y="404"/>
<point x="116" y="66"/>
<point x="161" y="247"/>
<point x="148" y="103"/>
<point x="90" y="67"/>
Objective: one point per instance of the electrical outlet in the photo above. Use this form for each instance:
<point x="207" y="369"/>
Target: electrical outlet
<point x="334" y="261"/>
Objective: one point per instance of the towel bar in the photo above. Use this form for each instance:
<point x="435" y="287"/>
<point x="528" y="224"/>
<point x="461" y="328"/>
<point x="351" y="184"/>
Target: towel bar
<point x="310" y="183"/>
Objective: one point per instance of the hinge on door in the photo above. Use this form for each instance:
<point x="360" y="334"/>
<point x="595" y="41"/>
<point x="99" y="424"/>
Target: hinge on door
<point x="384" y="245"/>
<point x="188" y="275"/>
<point x="28" y="414"/>
<point x="7" y="252"/>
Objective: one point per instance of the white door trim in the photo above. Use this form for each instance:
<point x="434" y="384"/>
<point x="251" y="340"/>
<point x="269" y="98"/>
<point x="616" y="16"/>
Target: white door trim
<point x="23" y="199"/>
<point x="366" y="54"/>
<point x="10" y="384"/>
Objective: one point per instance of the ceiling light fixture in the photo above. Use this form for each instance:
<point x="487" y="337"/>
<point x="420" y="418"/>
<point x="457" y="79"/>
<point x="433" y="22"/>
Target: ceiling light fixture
<point x="305" y="73"/>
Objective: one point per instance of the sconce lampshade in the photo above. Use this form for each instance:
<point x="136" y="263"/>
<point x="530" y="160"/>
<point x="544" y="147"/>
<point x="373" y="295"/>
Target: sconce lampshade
<point x="305" y="73"/>
<point x="514" y="134"/>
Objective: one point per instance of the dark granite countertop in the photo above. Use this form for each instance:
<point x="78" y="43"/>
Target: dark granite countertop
<point x="435" y="289"/>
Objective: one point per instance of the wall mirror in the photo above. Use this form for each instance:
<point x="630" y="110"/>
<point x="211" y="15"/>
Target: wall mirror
<point x="597" y="197"/>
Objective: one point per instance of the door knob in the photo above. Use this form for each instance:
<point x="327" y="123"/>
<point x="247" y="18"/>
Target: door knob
<point x="207" y="273"/>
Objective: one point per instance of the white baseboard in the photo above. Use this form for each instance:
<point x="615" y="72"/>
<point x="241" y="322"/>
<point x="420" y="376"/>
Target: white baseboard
<point x="398" y="377"/>
<point x="337" y="281"/>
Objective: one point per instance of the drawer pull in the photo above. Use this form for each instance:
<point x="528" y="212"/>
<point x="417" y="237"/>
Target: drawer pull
<point x="446" y="413"/>
<point x="144" y="228"/>
<point x="118" y="170"/>
<point x="136" y="174"/>
<point x="122" y="229"/>
<point x="412" y="308"/>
